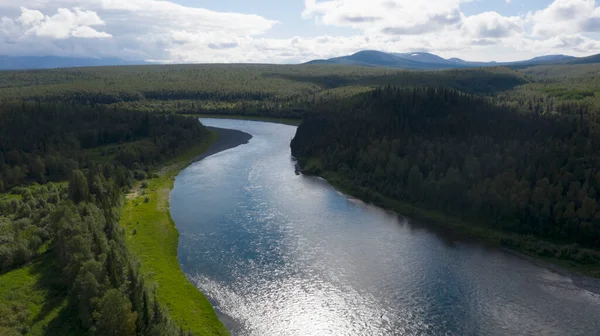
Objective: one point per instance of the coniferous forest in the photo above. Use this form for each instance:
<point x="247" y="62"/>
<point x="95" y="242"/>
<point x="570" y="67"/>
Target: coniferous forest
<point x="531" y="169"/>
<point x="63" y="206"/>
<point x="515" y="152"/>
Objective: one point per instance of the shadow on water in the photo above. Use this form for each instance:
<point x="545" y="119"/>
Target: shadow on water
<point x="282" y="253"/>
<point x="450" y="238"/>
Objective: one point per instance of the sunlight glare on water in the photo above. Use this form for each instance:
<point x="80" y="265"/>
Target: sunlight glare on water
<point x="281" y="254"/>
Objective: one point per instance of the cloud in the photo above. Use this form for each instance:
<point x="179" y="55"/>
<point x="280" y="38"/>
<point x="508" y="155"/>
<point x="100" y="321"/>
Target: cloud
<point x="164" y="30"/>
<point x="131" y="29"/>
<point x="491" y="25"/>
<point x="397" y="17"/>
<point x="432" y="24"/>
<point x="221" y="46"/>
<point x="566" y="17"/>
<point x="360" y="19"/>
<point x="62" y="25"/>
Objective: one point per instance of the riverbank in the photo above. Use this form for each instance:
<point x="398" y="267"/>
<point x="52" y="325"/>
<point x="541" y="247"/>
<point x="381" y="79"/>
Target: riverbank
<point x="523" y="246"/>
<point x="151" y="234"/>
<point x="285" y="121"/>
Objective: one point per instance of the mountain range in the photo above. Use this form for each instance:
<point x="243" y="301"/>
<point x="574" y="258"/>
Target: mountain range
<point x="428" y="61"/>
<point x="413" y="61"/>
<point x="49" y="62"/>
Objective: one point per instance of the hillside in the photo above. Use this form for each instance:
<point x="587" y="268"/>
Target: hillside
<point x="51" y="62"/>
<point x="522" y="175"/>
<point x="65" y="266"/>
<point x="428" y="61"/>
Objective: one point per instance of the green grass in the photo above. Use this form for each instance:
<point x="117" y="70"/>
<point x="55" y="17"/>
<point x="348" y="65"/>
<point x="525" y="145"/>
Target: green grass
<point x="285" y="121"/>
<point x="8" y="197"/>
<point x="155" y="243"/>
<point x="33" y="302"/>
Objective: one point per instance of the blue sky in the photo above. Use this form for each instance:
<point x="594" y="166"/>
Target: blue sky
<point x="284" y="31"/>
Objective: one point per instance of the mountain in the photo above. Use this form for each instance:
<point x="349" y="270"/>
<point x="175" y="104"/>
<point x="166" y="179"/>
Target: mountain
<point x="585" y="60"/>
<point x="48" y="62"/>
<point x="424" y="57"/>
<point x="551" y="58"/>
<point x="381" y="59"/>
<point x="428" y="61"/>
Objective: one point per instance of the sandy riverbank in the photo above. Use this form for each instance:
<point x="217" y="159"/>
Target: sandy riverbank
<point x="226" y="139"/>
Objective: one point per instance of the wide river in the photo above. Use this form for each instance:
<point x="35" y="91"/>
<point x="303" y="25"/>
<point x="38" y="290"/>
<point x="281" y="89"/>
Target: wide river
<point x="282" y="254"/>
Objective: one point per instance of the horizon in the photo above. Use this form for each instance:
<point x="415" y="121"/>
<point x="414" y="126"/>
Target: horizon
<point x="162" y="62"/>
<point x="267" y="31"/>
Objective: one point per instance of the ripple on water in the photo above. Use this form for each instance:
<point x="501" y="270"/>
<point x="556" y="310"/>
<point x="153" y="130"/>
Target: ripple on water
<point x="280" y="254"/>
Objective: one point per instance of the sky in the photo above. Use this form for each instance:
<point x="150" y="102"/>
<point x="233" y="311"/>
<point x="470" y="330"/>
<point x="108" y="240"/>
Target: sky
<point x="293" y="31"/>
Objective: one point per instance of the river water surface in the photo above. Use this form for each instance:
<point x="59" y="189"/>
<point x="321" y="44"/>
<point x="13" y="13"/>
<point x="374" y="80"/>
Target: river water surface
<point x="281" y="254"/>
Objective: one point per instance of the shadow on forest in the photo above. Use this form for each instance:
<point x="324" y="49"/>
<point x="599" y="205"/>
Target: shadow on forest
<point x="328" y="82"/>
<point x="50" y="281"/>
<point x="474" y="81"/>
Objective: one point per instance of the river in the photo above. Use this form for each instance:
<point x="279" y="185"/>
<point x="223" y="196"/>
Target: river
<point x="285" y="254"/>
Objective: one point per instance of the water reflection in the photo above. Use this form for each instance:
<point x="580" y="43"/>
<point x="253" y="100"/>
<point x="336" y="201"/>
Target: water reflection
<point x="281" y="254"/>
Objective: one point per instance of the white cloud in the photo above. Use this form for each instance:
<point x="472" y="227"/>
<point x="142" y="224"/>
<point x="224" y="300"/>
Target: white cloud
<point x="64" y="24"/>
<point x="87" y="32"/>
<point x="492" y="25"/>
<point x="163" y="30"/>
<point x="396" y="17"/>
<point x="566" y="17"/>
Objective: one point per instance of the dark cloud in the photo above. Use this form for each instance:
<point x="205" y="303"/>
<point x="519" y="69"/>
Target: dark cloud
<point x="360" y="19"/>
<point x="497" y="32"/>
<point x="483" y="42"/>
<point x="566" y="13"/>
<point x="390" y="4"/>
<point x="591" y="25"/>
<point x="222" y="46"/>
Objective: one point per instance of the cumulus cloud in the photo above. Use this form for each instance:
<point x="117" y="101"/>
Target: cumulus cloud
<point x="132" y="29"/>
<point x="166" y="31"/>
<point x="396" y="17"/>
<point x="566" y="17"/>
<point x="64" y="24"/>
<point x="492" y="25"/>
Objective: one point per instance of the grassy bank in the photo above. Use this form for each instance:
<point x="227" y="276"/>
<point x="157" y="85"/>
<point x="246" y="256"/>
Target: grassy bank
<point x="525" y="246"/>
<point x="32" y="303"/>
<point x="153" y="237"/>
<point x="285" y="121"/>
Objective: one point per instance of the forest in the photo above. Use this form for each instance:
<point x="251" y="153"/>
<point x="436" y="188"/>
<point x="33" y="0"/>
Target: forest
<point x="529" y="167"/>
<point x="62" y="209"/>
<point x="513" y="151"/>
<point x="281" y="91"/>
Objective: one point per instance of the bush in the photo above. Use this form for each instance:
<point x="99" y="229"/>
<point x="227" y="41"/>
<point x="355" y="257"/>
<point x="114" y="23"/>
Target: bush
<point x="139" y="175"/>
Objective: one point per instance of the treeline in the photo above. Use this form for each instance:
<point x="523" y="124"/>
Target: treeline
<point x="258" y="90"/>
<point x="76" y="224"/>
<point x="46" y="142"/>
<point x="532" y="169"/>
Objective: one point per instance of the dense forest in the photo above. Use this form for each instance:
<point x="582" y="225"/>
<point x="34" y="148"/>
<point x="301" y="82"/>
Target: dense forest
<point x="514" y="151"/>
<point x="74" y="225"/>
<point x="530" y="168"/>
<point x="258" y="90"/>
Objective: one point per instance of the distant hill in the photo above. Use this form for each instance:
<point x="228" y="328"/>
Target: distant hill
<point x="428" y="61"/>
<point x="50" y="62"/>
<point x="585" y="60"/>
<point x="381" y="59"/>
